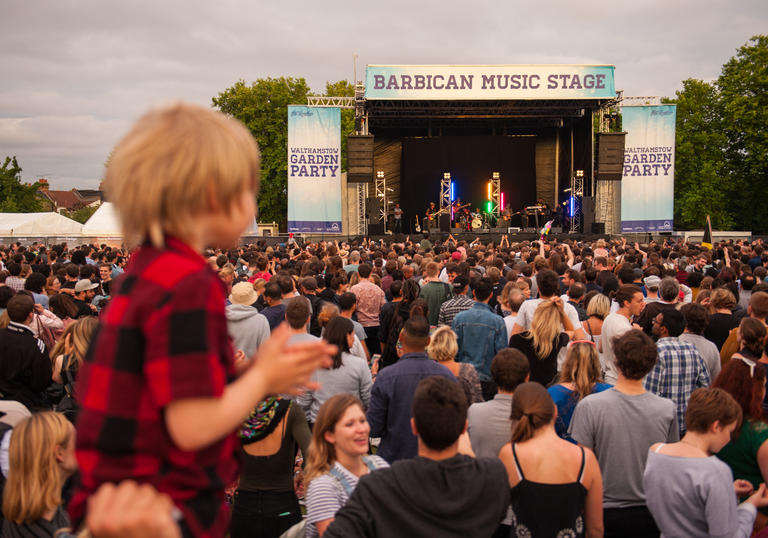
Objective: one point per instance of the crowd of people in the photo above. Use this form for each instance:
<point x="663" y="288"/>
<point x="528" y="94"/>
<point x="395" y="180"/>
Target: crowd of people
<point x="405" y="386"/>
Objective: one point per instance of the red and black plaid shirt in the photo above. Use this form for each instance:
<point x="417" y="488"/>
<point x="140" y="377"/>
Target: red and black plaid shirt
<point x="162" y="338"/>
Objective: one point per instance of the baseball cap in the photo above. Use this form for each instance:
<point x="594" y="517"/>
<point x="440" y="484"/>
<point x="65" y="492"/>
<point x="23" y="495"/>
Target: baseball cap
<point x="652" y="281"/>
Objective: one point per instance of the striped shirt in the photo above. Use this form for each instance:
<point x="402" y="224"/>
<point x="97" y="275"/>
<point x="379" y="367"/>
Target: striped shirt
<point x="679" y="371"/>
<point x="451" y="307"/>
<point x="326" y="495"/>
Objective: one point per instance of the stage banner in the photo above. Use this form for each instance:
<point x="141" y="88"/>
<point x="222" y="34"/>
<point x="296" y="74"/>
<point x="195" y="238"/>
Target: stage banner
<point x="477" y="82"/>
<point x="314" y="169"/>
<point x="648" y="179"/>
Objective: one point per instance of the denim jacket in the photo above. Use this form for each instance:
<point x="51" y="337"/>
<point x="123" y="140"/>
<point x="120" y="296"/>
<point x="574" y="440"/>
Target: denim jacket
<point x="481" y="334"/>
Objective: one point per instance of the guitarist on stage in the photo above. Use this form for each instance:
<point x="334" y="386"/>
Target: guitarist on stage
<point x="430" y="215"/>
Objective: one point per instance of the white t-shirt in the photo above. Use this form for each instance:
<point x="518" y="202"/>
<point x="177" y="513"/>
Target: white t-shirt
<point x="528" y="308"/>
<point x="613" y="326"/>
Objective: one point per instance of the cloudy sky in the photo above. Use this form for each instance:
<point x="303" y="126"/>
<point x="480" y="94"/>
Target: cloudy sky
<point x="76" y="73"/>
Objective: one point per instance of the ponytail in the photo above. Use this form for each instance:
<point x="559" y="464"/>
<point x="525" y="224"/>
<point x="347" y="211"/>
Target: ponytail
<point x="532" y="409"/>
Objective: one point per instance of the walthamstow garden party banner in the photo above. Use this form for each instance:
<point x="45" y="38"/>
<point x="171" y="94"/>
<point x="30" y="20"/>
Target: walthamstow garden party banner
<point x="648" y="179"/>
<point x="314" y="169"/>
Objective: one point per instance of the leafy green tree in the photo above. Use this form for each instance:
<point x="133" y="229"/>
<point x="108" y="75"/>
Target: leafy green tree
<point x="700" y="184"/>
<point x="743" y="86"/>
<point x="81" y="214"/>
<point x="15" y="196"/>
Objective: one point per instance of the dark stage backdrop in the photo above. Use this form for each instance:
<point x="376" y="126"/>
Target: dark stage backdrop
<point x="471" y="160"/>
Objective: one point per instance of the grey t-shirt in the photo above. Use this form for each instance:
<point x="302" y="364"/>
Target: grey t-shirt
<point x="694" y="497"/>
<point x="490" y="427"/>
<point x="707" y="350"/>
<point x="620" y="428"/>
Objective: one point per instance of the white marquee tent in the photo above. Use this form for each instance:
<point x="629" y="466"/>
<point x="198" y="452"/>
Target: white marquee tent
<point x="38" y="225"/>
<point x="103" y="222"/>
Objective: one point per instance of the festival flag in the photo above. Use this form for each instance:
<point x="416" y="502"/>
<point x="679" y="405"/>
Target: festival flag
<point x="707" y="241"/>
<point x="545" y="230"/>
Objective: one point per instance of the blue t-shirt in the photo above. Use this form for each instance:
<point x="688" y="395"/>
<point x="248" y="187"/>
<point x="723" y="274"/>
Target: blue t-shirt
<point x="566" y="402"/>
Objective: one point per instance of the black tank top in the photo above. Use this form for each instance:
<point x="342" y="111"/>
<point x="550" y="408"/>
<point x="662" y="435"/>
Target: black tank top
<point x="547" y="510"/>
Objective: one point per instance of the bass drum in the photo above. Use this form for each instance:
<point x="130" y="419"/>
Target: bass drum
<point x="477" y="223"/>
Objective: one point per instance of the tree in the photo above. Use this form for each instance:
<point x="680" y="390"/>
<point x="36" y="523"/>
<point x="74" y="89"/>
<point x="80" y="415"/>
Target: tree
<point x="15" y="196"/>
<point x="700" y="183"/>
<point x="81" y="214"/>
<point x="263" y="107"/>
<point x="743" y="86"/>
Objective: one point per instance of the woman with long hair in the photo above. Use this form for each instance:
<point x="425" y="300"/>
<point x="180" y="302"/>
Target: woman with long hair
<point x="580" y="376"/>
<point x="265" y="491"/>
<point x="544" y="340"/>
<point x="337" y="459"/>
<point x="348" y="373"/>
<point x="556" y="486"/>
<point x="443" y="348"/>
<point x="70" y="350"/>
<point x="746" y="454"/>
<point x="41" y="457"/>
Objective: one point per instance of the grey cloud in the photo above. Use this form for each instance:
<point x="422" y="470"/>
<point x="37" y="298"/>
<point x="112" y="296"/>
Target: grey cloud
<point x="78" y="72"/>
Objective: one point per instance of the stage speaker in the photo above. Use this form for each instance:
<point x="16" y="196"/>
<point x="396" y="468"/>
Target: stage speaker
<point x="434" y="231"/>
<point x="499" y="230"/>
<point x="513" y="230"/>
<point x="556" y="230"/>
<point x="530" y="230"/>
<point x="610" y="156"/>
<point x="360" y="158"/>
<point x="598" y="228"/>
<point x="444" y="221"/>
<point x="587" y="212"/>
<point x="373" y="208"/>
<point x="376" y="228"/>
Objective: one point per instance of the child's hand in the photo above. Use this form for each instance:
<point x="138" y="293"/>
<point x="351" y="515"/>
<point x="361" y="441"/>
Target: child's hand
<point x="286" y="368"/>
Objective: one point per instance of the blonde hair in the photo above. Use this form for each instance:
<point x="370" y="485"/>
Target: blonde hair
<point x="545" y="326"/>
<point x="163" y="172"/>
<point x="80" y="334"/>
<point x="599" y="306"/>
<point x="443" y="346"/>
<point x="582" y="368"/>
<point x="34" y="483"/>
<point x="321" y="453"/>
<point x="259" y="284"/>
<point x="354" y="278"/>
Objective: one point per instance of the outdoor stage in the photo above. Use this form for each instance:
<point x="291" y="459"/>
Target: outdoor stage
<point x="494" y="137"/>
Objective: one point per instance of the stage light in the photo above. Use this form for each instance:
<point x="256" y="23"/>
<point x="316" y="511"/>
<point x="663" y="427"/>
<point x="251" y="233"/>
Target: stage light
<point x="489" y="206"/>
<point x="571" y="206"/>
<point x="495" y="175"/>
<point x="453" y="193"/>
<point x="502" y="201"/>
<point x="579" y="173"/>
<point x="380" y="174"/>
<point x="489" y="190"/>
<point x="446" y="175"/>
